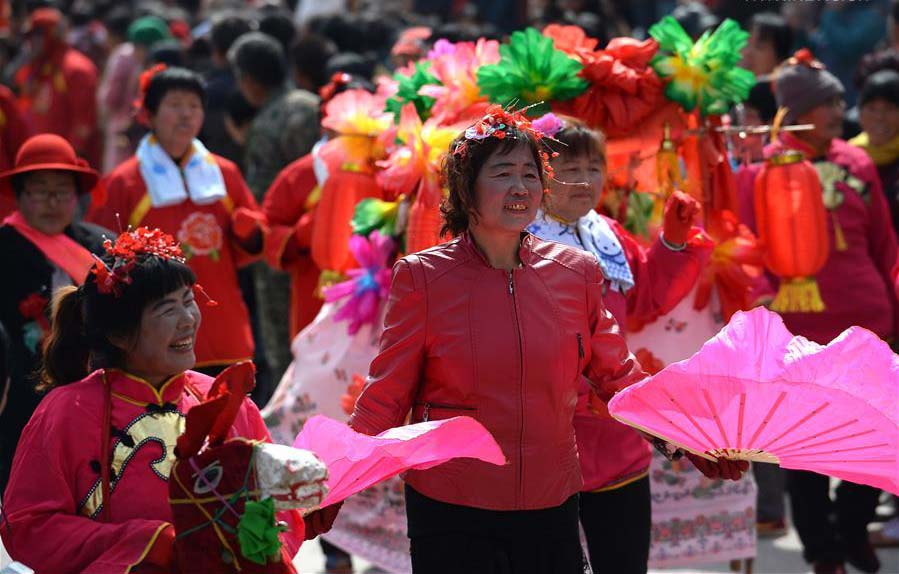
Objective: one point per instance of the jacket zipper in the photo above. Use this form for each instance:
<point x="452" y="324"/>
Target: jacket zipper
<point x="520" y="495"/>
<point x="580" y="346"/>
<point x="426" y="413"/>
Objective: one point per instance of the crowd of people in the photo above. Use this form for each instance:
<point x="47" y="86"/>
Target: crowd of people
<point x="203" y="120"/>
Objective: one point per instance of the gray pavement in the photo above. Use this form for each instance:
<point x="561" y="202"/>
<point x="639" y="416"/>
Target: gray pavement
<point x="775" y="556"/>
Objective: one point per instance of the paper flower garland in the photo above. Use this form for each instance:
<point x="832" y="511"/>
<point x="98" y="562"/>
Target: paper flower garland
<point x="408" y="87"/>
<point x="623" y="89"/>
<point x="702" y="74"/>
<point x="455" y="65"/>
<point x="531" y="71"/>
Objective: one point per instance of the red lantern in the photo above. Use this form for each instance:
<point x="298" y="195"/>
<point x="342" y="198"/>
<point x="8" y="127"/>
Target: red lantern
<point x="792" y="227"/>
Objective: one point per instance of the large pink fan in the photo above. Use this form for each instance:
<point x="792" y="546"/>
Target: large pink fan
<point x="356" y="461"/>
<point x="756" y="392"/>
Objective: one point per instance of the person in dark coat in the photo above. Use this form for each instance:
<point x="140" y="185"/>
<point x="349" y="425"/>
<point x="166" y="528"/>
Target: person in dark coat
<point x="42" y="248"/>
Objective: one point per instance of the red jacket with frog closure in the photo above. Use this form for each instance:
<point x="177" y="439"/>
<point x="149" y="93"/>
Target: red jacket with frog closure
<point x="507" y="348"/>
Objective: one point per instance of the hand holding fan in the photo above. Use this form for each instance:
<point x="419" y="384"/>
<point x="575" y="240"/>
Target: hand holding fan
<point x="756" y="392"/>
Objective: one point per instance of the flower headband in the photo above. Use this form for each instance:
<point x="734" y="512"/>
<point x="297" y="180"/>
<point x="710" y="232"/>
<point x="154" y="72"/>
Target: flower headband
<point x="497" y="120"/>
<point x="125" y="251"/>
<point x="146" y="77"/>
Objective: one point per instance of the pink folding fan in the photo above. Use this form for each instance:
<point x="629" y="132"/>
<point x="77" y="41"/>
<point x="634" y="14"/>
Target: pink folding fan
<point x="756" y="392"/>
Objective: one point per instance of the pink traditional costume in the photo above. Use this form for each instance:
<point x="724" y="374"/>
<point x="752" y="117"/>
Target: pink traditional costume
<point x="54" y="507"/>
<point x="93" y="445"/>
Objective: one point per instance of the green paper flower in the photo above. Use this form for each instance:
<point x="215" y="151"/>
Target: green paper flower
<point x="374" y="214"/>
<point x="408" y="92"/>
<point x="531" y="70"/>
<point x="704" y="73"/>
<point x="257" y="532"/>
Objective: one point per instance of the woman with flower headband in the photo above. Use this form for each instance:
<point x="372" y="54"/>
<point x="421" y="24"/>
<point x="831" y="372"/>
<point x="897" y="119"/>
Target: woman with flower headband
<point x="499" y="325"/>
<point x="47" y="249"/>
<point x="173" y="182"/>
<point x="89" y="487"/>
<point x="640" y="284"/>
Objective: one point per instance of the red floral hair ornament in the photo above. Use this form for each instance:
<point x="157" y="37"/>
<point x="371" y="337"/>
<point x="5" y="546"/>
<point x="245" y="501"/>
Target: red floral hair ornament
<point x="805" y="57"/>
<point x="141" y="112"/>
<point x="125" y="252"/>
<point x="328" y="91"/>
<point x="495" y="123"/>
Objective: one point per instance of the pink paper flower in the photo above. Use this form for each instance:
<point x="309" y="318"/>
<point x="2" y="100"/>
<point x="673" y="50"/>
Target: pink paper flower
<point x="368" y="285"/>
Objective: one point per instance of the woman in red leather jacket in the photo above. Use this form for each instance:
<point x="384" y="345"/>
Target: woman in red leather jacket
<point x="498" y="325"/>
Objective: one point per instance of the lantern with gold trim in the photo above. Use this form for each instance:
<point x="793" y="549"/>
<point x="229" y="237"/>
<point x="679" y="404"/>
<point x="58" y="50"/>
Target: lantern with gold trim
<point x="792" y="226"/>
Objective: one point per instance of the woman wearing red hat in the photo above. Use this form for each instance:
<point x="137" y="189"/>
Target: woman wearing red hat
<point x="174" y="183"/>
<point x="42" y="248"/>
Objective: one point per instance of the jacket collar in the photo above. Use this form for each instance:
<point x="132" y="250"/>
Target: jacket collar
<point x="525" y="249"/>
<point x="136" y="390"/>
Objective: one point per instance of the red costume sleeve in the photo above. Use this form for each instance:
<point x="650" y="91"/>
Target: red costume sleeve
<point x="662" y="277"/>
<point x="395" y="373"/>
<point x="286" y="210"/>
<point x="611" y="367"/>
<point x="42" y="528"/>
<point x="240" y="196"/>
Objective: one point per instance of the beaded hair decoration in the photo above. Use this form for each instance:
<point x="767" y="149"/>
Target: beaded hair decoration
<point x="125" y="252"/>
<point x="497" y="121"/>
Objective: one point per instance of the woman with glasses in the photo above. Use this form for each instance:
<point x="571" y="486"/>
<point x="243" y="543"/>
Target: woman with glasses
<point x="42" y="248"/>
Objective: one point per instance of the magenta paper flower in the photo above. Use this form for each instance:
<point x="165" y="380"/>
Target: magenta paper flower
<point x="368" y="285"/>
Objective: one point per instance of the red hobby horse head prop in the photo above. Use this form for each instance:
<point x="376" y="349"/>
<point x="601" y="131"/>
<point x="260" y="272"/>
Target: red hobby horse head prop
<point x="225" y="491"/>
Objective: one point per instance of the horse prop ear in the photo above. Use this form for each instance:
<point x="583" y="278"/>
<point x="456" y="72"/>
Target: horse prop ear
<point x="235" y="382"/>
<point x="200" y="421"/>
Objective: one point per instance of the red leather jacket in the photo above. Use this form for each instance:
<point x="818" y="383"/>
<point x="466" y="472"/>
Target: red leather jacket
<point x="507" y="348"/>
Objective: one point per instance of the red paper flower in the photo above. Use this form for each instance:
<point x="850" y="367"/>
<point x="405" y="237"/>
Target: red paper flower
<point x="34" y="307"/>
<point x="623" y="90"/>
<point x="125" y="251"/>
<point x="353" y="390"/>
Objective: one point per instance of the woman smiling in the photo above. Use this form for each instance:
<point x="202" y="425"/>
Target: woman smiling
<point x="89" y="486"/>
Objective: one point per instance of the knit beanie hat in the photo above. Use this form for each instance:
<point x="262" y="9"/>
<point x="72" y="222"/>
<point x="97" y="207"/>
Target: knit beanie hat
<point x="803" y="83"/>
<point x="148" y="30"/>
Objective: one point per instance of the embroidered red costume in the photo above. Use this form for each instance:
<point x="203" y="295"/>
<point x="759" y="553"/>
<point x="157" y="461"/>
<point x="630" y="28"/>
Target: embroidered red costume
<point x="54" y="500"/>
<point x="207" y="238"/>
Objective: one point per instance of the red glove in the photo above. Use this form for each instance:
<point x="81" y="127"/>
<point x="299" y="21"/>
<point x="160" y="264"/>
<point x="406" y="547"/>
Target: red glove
<point x="321" y="521"/>
<point x="245" y="222"/>
<point x="723" y="468"/>
<point x="679" y="213"/>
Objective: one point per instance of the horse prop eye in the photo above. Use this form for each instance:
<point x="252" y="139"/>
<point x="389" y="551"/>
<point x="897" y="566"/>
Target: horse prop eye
<point x="208" y="478"/>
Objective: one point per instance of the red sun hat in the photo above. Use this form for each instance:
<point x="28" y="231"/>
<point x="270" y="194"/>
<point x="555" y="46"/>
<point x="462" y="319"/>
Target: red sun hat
<point x="50" y="152"/>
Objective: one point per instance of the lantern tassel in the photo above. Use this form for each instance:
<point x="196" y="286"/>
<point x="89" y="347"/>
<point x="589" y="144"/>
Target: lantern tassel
<point x="838" y="237"/>
<point x="798" y="296"/>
